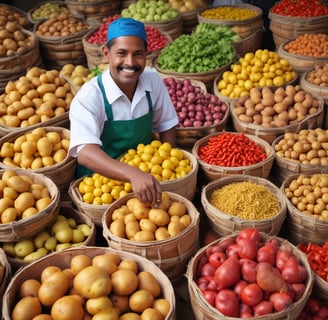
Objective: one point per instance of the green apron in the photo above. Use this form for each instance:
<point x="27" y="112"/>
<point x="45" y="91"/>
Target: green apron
<point x="120" y="135"/>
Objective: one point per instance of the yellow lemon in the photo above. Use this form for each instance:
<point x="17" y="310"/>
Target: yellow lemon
<point x="88" y="197"/>
<point x="106" y="198"/>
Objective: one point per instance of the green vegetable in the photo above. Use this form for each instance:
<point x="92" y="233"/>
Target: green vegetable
<point x="224" y="31"/>
<point x="202" y="51"/>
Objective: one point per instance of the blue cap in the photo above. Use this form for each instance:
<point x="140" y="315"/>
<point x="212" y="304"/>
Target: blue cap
<point x="126" y="27"/>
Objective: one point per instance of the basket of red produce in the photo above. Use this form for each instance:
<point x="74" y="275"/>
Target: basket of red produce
<point x="97" y="37"/>
<point x="249" y="274"/>
<point x="200" y="113"/>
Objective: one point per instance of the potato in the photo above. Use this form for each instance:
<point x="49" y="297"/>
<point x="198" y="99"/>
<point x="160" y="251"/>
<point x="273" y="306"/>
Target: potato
<point x="147" y="281"/>
<point x="140" y="300"/>
<point x="159" y="217"/>
<point x="18" y="184"/>
<point x="177" y="209"/>
<point x="44" y="147"/>
<point x="24" y="201"/>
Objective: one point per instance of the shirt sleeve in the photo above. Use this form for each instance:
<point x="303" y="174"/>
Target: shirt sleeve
<point x="87" y="116"/>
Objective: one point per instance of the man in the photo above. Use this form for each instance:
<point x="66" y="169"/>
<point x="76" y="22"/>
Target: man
<point x="121" y="108"/>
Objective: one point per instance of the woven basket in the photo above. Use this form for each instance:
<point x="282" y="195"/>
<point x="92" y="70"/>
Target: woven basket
<point x="28" y="227"/>
<point x="170" y="255"/>
<point x="171" y="27"/>
<point x="61" y="4"/>
<point x="7" y="272"/>
<point x="320" y="288"/>
<point x="284" y="168"/>
<point x="62" y="259"/>
<point x="206" y="77"/>
<point x="224" y="224"/>
<point x="189" y="20"/>
<point x="300" y="63"/>
<point x="270" y="134"/>
<point x="61" y="173"/>
<point x="94" y="11"/>
<point x="213" y="172"/>
<point x="285" y="28"/>
<point x="318" y="91"/>
<point x="58" y="51"/>
<point x="245" y="27"/>
<point x="301" y="227"/>
<point x="204" y="311"/>
<point x="68" y="212"/>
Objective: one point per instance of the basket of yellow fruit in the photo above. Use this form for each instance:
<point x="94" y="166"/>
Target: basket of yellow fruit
<point x="92" y="194"/>
<point x="29" y="203"/>
<point x="71" y="228"/>
<point x="130" y="287"/>
<point x="176" y="169"/>
<point x="263" y="68"/>
<point x="166" y="235"/>
<point x="42" y="150"/>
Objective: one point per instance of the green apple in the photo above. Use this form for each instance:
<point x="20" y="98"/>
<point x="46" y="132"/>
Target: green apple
<point x="24" y="247"/>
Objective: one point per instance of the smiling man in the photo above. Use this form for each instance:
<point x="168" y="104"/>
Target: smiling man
<point x="121" y="108"/>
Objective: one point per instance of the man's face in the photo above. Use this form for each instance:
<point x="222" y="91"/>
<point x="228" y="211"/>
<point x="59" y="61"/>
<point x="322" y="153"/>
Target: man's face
<point x="127" y="59"/>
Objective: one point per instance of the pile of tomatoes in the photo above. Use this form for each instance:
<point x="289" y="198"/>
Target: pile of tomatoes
<point x="155" y="40"/>
<point x="300" y="8"/>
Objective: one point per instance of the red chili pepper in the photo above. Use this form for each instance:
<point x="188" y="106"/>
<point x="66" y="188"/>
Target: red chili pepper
<point x="231" y="150"/>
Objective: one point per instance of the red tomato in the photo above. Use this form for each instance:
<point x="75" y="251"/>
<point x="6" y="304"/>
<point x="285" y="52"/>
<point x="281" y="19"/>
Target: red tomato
<point x="280" y="300"/>
<point x="263" y="308"/>
<point x="227" y="303"/>
<point x="210" y="296"/>
<point x="251" y="295"/>
<point x="216" y="259"/>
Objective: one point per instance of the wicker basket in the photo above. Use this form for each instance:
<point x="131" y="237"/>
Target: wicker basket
<point x="206" y="77"/>
<point x="61" y="7"/>
<point x="245" y="27"/>
<point x="61" y="173"/>
<point x="318" y="91"/>
<point x="284" y="168"/>
<point x="68" y="212"/>
<point x="300" y="63"/>
<point x="204" y="311"/>
<point x="7" y="272"/>
<point x="15" y="14"/>
<point x="285" y="27"/>
<point x="213" y="172"/>
<point x="320" y="288"/>
<point x="170" y="255"/>
<point x="189" y="20"/>
<point x="224" y="224"/>
<point x="94" y="11"/>
<point x="62" y="259"/>
<point x="28" y="227"/>
<point x="301" y="227"/>
<point x="270" y="134"/>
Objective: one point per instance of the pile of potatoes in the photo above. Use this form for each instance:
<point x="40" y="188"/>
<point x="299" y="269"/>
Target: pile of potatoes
<point x="307" y="147"/>
<point x="14" y="40"/>
<point x="319" y="75"/>
<point x="60" y="24"/>
<point x="35" y="149"/>
<point x="21" y="197"/>
<point x="64" y="233"/>
<point x="104" y="286"/>
<point x="7" y="14"/>
<point x="138" y="221"/>
<point x="37" y="97"/>
<point x="275" y="108"/>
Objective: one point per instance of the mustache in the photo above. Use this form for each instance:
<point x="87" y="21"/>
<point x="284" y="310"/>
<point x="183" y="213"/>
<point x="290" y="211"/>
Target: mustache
<point x="133" y="68"/>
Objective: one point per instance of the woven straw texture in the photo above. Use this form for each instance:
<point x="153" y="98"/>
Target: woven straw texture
<point x="224" y="224"/>
<point x="68" y="212"/>
<point x="245" y="27"/>
<point x="28" y="227"/>
<point x="171" y="254"/>
<point x="60" y="4"/>
<point x="284" y="168"/>
<point x="204" y="311"/>
<point x="61" y="173"/>
<point x="285" y="28"/>
<point x="7" y="272"/>
<point x="301" y="227"/>
<point x="270" y="134"/>
<point x="300" y="63"/>
<point x="62" y="259"/>
<point x="212" y="172"/>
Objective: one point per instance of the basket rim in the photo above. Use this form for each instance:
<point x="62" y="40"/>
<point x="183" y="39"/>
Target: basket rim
<point x="176" y="197"/>
<point x="235" y="178"/>
<point x="265" y="145"/>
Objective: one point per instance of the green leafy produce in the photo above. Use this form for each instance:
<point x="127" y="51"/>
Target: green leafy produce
<point x="202" y="51"/>
<point x="224" y="31"/>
